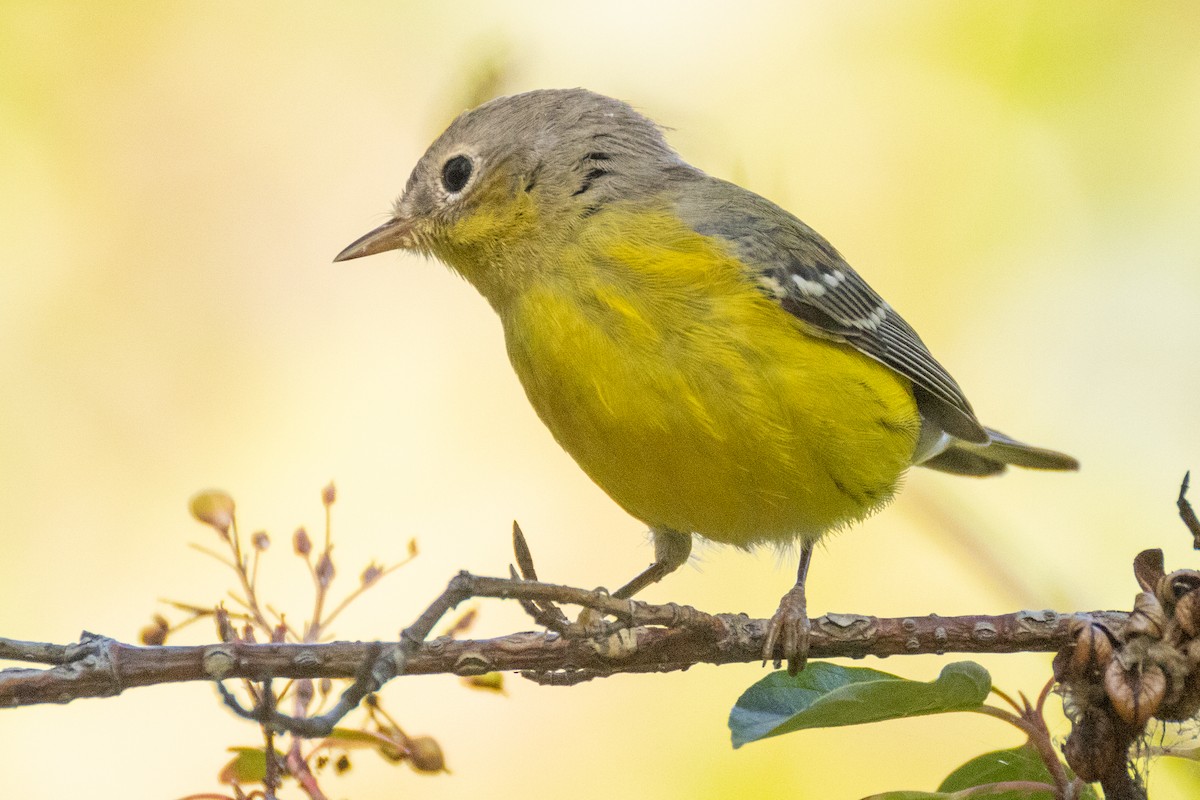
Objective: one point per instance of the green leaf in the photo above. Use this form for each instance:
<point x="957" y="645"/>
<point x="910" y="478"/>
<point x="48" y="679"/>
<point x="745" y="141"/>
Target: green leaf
<point x="248" y="766"/>
<point x="388" y="742"/>
<point x="909" y="795"/>
<point x="1018" y="764"/>
<point x="827" y="695"/>
<point x="351" y="737"/>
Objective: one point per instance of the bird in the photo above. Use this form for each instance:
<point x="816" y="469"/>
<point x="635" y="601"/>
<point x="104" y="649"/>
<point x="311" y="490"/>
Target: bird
<point x="709" y="360"/>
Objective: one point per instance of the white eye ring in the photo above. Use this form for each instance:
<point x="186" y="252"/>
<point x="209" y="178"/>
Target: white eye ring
<point x="456" y="173"/>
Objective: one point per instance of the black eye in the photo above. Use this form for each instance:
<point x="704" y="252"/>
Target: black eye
<point x="456" y="173"/>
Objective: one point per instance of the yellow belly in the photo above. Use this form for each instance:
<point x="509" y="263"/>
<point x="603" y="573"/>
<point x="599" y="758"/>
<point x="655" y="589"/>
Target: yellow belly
<point x="699" y="405"/>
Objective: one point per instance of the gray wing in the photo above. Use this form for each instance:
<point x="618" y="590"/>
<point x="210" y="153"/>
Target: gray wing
<point x="811" y="280"/>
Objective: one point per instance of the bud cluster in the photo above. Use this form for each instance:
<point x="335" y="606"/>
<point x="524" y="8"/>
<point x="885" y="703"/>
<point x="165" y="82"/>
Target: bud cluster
<point x="1115" y="682"/>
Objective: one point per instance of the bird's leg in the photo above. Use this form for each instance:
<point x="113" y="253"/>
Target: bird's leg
<point x="791" y="622"/>
<point x="671" y="551"/>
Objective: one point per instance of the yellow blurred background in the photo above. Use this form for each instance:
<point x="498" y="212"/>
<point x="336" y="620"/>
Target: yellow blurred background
<point x="1021" y="180"/>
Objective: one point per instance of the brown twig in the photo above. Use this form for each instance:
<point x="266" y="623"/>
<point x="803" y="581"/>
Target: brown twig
<point x="358" y="591"/>
<point x="372" y="673"/>
<point x="273" y="778"/>
<point x="546" y="614"/>
<point x="1187" y="513"/>
<point x="1030" y="720"/>
<point x="298" y="768"/>
<point x="1044" y="744"/>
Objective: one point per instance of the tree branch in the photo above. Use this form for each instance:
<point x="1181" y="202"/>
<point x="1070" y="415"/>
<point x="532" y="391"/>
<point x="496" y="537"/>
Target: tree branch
<point x="646" y="638"/>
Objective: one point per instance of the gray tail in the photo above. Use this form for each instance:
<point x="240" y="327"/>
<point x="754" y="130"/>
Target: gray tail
<point x="968" y="458"/>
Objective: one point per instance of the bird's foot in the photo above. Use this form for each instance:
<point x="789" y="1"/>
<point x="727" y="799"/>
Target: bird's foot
<point x="789" y="630"/>
<point x="589" y="623"/>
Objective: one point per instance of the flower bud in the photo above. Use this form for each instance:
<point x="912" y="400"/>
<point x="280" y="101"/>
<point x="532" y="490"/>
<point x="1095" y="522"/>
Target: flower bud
<point x="1093" y="649"/>
<point x="1187" y="613"/>
<point x="156" y="632"/>
<point x="1135" y="691"/>
<point x="426" y="754"/>
<point x="225" y="629"/>
<point x="1148" y="569"/>
<point x="371" y="574"/>
<point x="304" y="693"/>
<point x="214" y="508"/>
<point x="1147" y="617"/>
<point x="325" y="571"/>
<point x="301" y="543"/>
<point x="1182" y="581"/>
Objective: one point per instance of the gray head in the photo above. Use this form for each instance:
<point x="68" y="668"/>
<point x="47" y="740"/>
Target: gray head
<point x="518" y="166"/>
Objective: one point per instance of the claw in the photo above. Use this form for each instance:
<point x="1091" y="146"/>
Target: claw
<point x="791" y="623"/>
<point x="789" y="627"/>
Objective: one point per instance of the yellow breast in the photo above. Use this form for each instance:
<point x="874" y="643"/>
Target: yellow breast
<point x="693" y="399"/>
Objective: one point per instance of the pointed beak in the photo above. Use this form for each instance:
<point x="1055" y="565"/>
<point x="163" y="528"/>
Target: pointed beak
<point x="396" y="234"/>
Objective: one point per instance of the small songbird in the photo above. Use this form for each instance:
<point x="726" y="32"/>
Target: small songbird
<point x="706" y="357"/>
